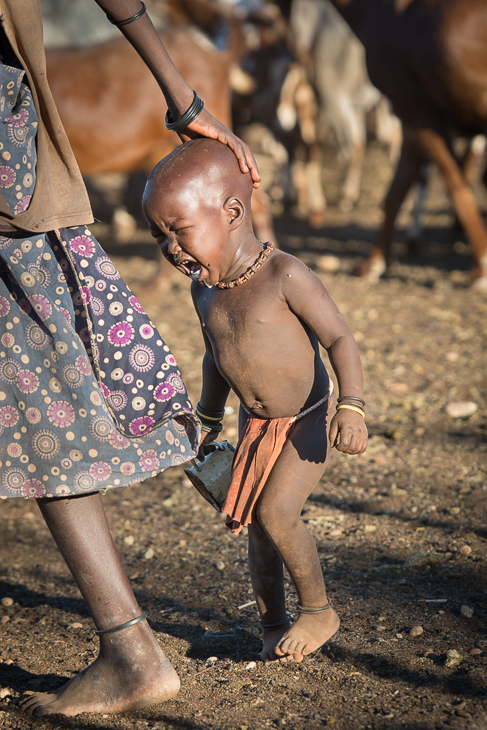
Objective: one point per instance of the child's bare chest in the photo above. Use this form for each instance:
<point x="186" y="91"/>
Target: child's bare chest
<point x="242" y="314"/>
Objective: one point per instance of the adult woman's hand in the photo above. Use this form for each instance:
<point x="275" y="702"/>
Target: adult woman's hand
<point x="207" y="126"/>
<point x="178" y="94"/>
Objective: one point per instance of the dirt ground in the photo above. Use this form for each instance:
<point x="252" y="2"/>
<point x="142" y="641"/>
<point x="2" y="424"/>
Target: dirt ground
<point x="400" y="530"/>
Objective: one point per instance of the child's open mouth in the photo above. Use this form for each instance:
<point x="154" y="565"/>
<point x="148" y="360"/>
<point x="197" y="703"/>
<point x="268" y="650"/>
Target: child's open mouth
<point x="191" y="268"/>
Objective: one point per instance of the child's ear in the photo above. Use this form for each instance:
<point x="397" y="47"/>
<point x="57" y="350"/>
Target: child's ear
<point x="235" y="211"/>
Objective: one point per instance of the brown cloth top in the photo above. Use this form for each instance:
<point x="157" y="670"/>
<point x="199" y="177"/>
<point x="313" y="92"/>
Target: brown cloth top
<point x="60" y="199"/>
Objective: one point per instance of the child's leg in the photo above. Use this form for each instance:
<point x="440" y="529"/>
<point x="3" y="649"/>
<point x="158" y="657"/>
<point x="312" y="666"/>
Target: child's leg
<point x="130" y="671"/>
<point x="294" y="476"/>
<point x="267" y="576"/>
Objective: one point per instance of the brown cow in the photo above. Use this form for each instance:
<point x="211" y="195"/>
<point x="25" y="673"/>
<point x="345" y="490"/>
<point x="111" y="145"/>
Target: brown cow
<point x="113" y="111"/>
<point x="430" y="58"/>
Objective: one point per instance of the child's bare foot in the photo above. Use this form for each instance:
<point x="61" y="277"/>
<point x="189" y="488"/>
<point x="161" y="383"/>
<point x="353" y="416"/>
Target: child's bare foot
<point x="271" y="638"/>
<point x="129" y="674"/>
<point x="310" y="631"/>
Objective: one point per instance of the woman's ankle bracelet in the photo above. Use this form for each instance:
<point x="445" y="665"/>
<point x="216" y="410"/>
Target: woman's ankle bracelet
<point x="278" y="623"/>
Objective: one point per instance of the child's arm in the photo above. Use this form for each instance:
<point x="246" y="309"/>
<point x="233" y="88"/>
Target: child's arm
<point x="309" y="300"/>
<point x="214" y="394"/>
<point x="215" y="389"/>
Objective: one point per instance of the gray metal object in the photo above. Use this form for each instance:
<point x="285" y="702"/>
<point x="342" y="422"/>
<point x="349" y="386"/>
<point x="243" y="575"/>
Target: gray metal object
<point x="213" y="475"/>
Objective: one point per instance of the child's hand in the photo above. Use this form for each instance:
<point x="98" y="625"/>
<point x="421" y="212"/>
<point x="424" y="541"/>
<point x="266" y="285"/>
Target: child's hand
<point x="206" y="438"/>
<point x="348" y="432"/>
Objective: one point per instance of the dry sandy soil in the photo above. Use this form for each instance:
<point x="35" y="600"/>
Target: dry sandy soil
<point x="400" y="530"/>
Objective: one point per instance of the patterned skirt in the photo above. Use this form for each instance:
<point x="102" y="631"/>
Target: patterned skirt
<point x="90" y="396"/>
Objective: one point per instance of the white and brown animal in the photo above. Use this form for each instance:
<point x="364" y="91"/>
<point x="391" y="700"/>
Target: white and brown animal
<point x="429" y="57"/>
<point x="335" y="61"/>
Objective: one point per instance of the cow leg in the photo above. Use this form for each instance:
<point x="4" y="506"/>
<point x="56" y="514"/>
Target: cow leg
<point x="316" y="195"/>
<point x="351" y="186"/>
<point x="415" y="230"/>
<point x="407" y="172"/>
<point x="463" y="200"/>
<point x="353" y="120"/>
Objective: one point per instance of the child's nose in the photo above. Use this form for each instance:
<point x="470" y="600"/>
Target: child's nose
<point x="173" y="247"/>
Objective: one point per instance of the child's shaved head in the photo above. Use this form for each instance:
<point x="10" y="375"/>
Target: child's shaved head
<point x="205" y="168"/>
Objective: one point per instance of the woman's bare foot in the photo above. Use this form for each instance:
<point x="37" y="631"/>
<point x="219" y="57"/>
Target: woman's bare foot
<point x="271" y="638"/>
<point x="310" y="631"/>
<point x="130" y="672"/>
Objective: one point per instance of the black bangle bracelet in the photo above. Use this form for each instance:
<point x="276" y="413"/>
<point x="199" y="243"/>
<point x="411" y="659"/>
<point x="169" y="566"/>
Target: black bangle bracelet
<point x="210" y="414"/>
<point x="350" y="397"/>
<point x="212" y="426"/>
<point x="189" y="115"/>
<point x="120" y="23"/>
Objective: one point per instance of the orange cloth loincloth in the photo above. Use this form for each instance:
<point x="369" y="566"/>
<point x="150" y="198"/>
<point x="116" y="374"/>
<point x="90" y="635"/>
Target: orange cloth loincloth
<point x="260" y="443"/>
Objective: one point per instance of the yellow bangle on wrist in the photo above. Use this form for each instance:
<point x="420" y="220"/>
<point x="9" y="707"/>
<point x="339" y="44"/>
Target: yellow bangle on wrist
<point x="352" y="408"/>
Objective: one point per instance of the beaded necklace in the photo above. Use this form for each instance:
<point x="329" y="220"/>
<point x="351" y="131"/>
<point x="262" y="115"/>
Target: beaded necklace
<point x="264" y="254"/>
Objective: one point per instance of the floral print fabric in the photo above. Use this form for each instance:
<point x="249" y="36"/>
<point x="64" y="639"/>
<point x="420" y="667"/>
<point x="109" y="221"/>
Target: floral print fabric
<point x="90" y="396"/>
<point x="18" y="121"/>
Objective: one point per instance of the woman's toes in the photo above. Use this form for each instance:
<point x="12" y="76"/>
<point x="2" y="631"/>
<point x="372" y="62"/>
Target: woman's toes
<point x="28" y="704"/>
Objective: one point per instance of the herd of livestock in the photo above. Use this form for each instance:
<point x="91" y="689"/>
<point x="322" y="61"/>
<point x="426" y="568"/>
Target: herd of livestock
<point x="287" y="74"/>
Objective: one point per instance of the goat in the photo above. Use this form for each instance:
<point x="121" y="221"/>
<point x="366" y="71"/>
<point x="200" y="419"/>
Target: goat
<point x="429" y="57"/>
<point x="335" y="62"/>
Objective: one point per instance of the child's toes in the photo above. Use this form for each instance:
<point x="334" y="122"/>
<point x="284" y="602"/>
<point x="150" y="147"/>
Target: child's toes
<point x="286" y="658"/>
<point x="282" y="649"/>
<point x="299" y="648"/>
<point x="288" y="646"/>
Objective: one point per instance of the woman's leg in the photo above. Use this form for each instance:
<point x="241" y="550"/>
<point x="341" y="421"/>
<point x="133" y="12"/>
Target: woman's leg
<point x="130" y="671"/>
<point x="294" y="476"/>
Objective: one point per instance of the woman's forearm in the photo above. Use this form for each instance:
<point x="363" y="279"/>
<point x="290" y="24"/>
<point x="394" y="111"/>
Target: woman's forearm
<point x="146" y="41"/>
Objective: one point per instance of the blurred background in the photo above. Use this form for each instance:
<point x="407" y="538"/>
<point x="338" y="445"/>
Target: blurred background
<point x="401" y="529"/>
